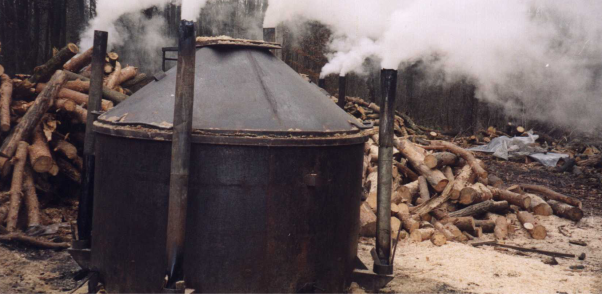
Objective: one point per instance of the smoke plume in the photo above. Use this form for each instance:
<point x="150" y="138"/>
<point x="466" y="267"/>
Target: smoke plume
<point x="543" y="57"/>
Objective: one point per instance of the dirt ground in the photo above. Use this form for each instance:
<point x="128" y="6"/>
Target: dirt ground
<point x="419" y="268"/>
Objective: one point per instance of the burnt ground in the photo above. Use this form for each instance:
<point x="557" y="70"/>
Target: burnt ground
<point x="26" y="270"/>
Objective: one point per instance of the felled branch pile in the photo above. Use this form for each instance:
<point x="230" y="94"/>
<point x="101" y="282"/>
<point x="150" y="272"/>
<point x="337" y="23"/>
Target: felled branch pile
<point x="42" y="119"/>
<point x="442" y="192"/>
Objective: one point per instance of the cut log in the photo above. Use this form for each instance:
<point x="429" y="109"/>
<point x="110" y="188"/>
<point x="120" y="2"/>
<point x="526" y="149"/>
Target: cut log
<point x="41" y="73"/>
<point x="69" y="170"/>
<point x="107" y="93"/>
<point x="77" y="97"/>
<point x="458" y="236"/>
<point x="501" y="228"/>
<point x="33" y="241"/>
<point x="406" y="171"/>
<point x="406" y="193"/>
<point x="78" y="85"/>
<point x="495" y="182"/>
<point x="367" y="221"/>
<point x="566" y="211"/>
<point x="113" y="79"/>
<point x="16" y="186"/>
<point x="395" y="225"/>
<point x="39" y="153"/>
<point x="409" y="224"/>
<point x="33" y="116"/>
<point x="65" y="104"/>
<point x="467" y="155"/>
<point x="465" y="223"/>
<point x="441" y="228"/>
<point x="137" y="82"/>
<point x="449" y="173"/>
<point x="433" y="203"/>
<point x="536" y="230"/>
<point x="421" y="235"/>
<point x="522" y="201"/>
<point x="462" y="180"/>
<point x="108" y="68"/>
<point x="475" y="194"/>
<point x="113" y="57"/>
<point x="539" y="206"/>
<point x="441" y="159"/>
<point x="1" y="69"/>
<point x="487" y="225"/>
<point x="65" y="148"/>
<point x="479" y="208"/>
<point x="6" y="94"/>
<point x="552" y="195"/>
<point x="439" y="213"/>
<point x="435" y="177"/>
<point x="425" y="194"/>
<point x="127" y="73"/>
<point x="438" y="239"/>
<point x="79" y="61"/>
<point x="31" y="199"/>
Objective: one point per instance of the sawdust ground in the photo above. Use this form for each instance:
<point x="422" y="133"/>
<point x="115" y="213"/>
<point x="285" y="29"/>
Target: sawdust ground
<point x="456" y="267"/>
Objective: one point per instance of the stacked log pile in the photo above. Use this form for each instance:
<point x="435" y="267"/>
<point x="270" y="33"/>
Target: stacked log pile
<point x="442" y="192"/>
<point x="42" y="119"/>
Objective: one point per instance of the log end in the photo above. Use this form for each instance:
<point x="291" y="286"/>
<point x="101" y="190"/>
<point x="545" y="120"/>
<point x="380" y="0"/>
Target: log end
<point x="438" y="239"/>
<point x="43" y="164"/>
<point x="543" y="209"/>
<point x="539" y="232"/>
<point x="467" y="196"/>
<point x="430" y="161"/>
<point x="73" y="48"/>
<point x="441" y="185"/>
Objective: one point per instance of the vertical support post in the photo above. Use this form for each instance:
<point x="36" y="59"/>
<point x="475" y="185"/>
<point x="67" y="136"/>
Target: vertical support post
<point x="385" y="170"/>
<point x="86" y="200"/>
<point x="342" y="91"/>
<point x="180" y="154"/>
<point x="322" y="83"/>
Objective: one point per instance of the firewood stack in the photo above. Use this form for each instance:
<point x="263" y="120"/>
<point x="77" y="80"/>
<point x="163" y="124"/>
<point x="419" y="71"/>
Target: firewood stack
<point x="442" y="192"/>
<point x="42" y="119"/>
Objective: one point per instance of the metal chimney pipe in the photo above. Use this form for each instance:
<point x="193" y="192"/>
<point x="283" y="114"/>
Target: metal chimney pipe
<point x="322" y="83"/>
<point x="342" y="91"/>
<point x="385" y="171"/>
<point x="180" y="154"/>
<point x="86" y="200"/>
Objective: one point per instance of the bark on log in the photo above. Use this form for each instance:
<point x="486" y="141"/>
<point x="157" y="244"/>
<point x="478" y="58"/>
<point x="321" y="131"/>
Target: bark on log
<point x="487" y="225"/>
<point x="31" y="199"/>
<point x="465" y="223"/>
<point x="479" y="208"/>
<point x="77" y="97"/>
<point x="406" y="193"/>
<point x="69" y="170"/>
<point x="501" y="226"/>
<point x="78" y="85"/>
<point x="33" y="116"/>
<point x="39" y="153"/>
<point x="435" y="177"/>
<point x="552" y="195"/>
<point x="421" y="235"/>
<point x="449" y="173"/>
<point x="127" y="73"/>
<point x="65" y="148"/>
<point x="467" y="155"/>
<point x="367" y="221"/>
<point x="462" y="180"/>
<point x="566" y="211"/>
<point x="33" y="241"/>
<point x="410" y="174"/>
<point x="423" y="187"/>
<point x="409" y="224"/>
<point x="432" y="203"/>
<point x="458" y="236"/>
<point x="475" y="194"/>
<point x="440" y="159"/>
<point x="539" y="206"/>
<point x="495" y="182"/>
<point x="65" y="104"/>
<point x="1" y="69"/>
<point x="16" y="186"/>
<point x="6" y="94"/>
<point x="536" y="230"/>
<point x="137" y="82"/>
<point x="107" y="93"/>
<point x="79" y="61"/>
<point x="113" y="79"/>
<point x="42" y="72"/>
<point x="522" y="201"/>
<point x="441" y="228"/>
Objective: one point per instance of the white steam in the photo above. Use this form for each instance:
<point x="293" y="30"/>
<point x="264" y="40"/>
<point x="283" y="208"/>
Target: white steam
<point x="192" y="8"/>
<point x="541" y="56"/>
